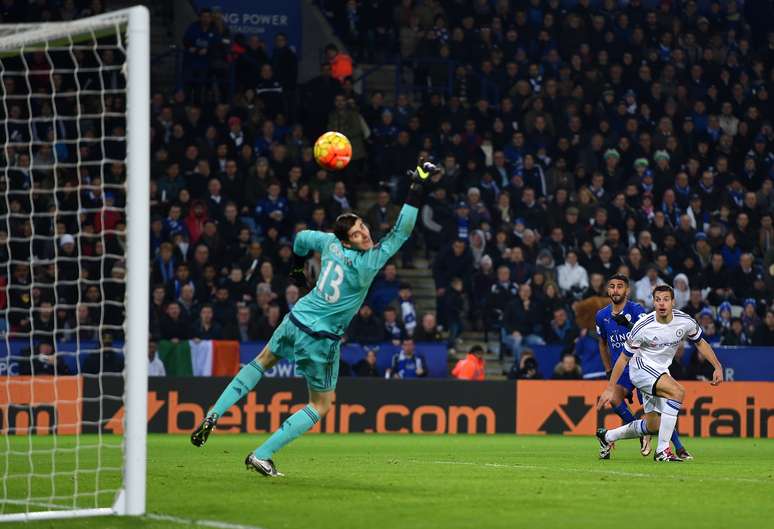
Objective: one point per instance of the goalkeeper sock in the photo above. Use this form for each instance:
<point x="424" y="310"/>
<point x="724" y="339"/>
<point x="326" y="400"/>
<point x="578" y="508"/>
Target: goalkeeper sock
<point x="676" y="440"/>
<point x="294" y="426"/>
<point x="624" y="412"/>
<point x="631" y="430"/>
<point x="239" y="386"/>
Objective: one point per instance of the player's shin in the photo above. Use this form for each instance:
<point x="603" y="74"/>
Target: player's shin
<point x="631" y="430"/>
<point x="668" y="421"/>
<point x="294" y="426"/>
<point x="676" y="440"/>
<point x="239" y="386"/>
<point x="624" y="412"/>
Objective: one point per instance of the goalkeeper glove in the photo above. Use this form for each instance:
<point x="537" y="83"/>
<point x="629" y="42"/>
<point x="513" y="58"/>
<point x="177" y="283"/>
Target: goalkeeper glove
<point x="421" y="174"/>
<point x="620" y="319"/>
<point x="424" y="171"/>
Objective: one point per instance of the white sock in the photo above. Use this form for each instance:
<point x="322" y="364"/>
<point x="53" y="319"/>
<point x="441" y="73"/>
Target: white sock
<point x="668" y="423"/>
<point x="634" y="429"/>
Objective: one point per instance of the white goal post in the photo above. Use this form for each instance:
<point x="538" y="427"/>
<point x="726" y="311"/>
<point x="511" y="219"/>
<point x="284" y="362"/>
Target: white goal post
<point x="24" y="463"/>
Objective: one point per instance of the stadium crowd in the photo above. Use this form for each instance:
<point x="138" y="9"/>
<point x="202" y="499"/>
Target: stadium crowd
<point x="577" y="139"/>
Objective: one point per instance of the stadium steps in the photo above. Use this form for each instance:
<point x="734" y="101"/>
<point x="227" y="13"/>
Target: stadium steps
<point x="383" y="78"/>
<point x="423" y="287"/>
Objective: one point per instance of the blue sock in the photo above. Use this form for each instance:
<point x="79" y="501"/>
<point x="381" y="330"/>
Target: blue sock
<point x="239" y="386"/>
<point x="624" y="412"/>
<point x="295" y="425"/>
<point x="676" y="440"/>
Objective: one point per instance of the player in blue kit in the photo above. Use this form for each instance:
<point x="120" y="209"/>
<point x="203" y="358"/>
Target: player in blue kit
<point x="310" y="334"/>
<point x="613" y="324"/>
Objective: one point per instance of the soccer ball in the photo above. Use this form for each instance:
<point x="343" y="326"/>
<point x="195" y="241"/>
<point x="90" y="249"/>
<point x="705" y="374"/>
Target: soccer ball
<point x="332" y="151"/>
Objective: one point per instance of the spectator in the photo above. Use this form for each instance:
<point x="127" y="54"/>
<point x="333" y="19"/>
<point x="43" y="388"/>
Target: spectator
<point x="82" y="326"/>
<point x="43" y="323"/>
<point x="522" y="322"/>
<point x="455" y="261"/>
<point x="45" y="361"/>
<point x="428" y="331"/>
<point x="407" y="309"/>
<point x="499" y="296"/>
<point x="472" y="367"/>
<point x="764" y="335"/>
<point x="385" y="289"/>
<point x="743" y="277"/>
<point x="346" y="119"/>
<point x="695" y="303"/>
<point x="573" y="278"/>
<point x="525" y="367"/>
<point x="750" y="318"/>
<point x="173" y="325"/>
<point x="163" y="271"/>
<point x="244" y="329"/>
<point x="483" y="281"/>
<point x="735" y="334"/>
<point x="454" y="306"/>
<point x="382" y="215"/>
<point x="366" y="366"/>
<point x="437" y="219"/>
<point x="198" y="40"/>
<point x="393" y="329"/>
<point x="339" y="61"/>
<point x="567" y="368"/>
<point x="407" y="363"/>
<point x="272" y="211"/>
<point x="270" y="321"/>
<point x="682" y="290"/>
<point x="561" y="330"/>
<point x="205" y="328"/>
<point x="188" y="306"/>
<point x="155" y="365"/>
<point x="643" y="289"/>
<point x="365" y="328"/>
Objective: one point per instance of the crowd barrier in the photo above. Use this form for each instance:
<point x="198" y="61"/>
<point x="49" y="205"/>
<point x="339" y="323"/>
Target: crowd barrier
<point x="740" y="363"/>
<point x="176" y="405"/>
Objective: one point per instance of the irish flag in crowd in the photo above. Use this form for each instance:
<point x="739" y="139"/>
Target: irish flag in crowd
<point x="200" y="358"/>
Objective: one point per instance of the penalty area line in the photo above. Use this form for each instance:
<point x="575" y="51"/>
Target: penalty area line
<point x="197" y="523"/>
<point x="623" y="473"/>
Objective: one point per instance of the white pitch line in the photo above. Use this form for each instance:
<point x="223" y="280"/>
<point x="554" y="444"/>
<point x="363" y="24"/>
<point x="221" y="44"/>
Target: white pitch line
<point x="198" y="523"/>
<point x="592" y="471"/>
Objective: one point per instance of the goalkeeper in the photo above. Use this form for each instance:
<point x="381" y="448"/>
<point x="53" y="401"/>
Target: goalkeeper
<point x="310" y="334"/>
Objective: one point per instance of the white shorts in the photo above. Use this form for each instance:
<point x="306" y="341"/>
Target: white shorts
<point x="644" y="377"/>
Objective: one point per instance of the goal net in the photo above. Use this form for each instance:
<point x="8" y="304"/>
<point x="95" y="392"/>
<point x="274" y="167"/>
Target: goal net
<point x="74" y="100"/>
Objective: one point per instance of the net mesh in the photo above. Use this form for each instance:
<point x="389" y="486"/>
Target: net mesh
<point x="62" y="263"/>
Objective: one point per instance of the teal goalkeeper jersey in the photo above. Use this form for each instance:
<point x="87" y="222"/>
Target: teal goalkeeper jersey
<point x="345" y="274"/>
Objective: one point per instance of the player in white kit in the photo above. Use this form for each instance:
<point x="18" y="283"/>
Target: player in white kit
<point x="649" y="350"/>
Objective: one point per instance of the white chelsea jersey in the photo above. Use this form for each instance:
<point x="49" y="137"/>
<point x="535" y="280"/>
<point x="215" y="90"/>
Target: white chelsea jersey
<point x="656" y="343"/>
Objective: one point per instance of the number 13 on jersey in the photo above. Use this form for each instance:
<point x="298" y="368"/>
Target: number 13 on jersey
<point x="335" y="282"/>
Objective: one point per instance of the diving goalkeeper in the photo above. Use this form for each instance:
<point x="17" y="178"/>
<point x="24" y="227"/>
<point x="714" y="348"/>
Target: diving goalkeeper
<point x="310" y="334"/>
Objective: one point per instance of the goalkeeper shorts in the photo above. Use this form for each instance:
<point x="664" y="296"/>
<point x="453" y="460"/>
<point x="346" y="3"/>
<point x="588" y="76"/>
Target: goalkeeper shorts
<point x="316" y="358"/>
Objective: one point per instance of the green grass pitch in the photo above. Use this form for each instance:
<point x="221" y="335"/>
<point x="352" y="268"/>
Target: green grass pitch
<point x="343" y="481"/>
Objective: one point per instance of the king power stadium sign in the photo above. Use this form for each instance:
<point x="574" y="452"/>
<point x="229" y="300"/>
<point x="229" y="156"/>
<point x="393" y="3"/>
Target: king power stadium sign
<point x="265" y="19"/>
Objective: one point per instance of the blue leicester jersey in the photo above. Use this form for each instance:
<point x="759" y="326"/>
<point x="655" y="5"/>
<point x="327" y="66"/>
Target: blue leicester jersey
<point x="613" y="333"/>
